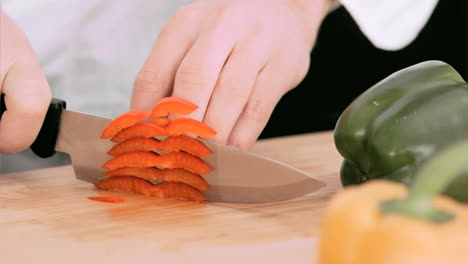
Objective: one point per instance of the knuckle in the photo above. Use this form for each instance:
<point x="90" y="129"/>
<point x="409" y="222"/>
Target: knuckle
<point x="147" y="81"/>
<point x="165" y="31"/>
<point x="186" y="12"/>
<point x="239" y="94"/>
<point x="191" y="75"/>
<point x="296" y="69"/>
<point x="231" y="13"/>
<point x="302" y="65"/>
<point x="9" y="147"/>
<point x="235" y="87"/>
<point x="31" y="103"/>
<point x="226" y="11"/>
<point x="257" y="111"/>
<point x="38" y="110"/>
<point x="239" y="142"/>
<point x="30" y="112"/>
<point x="183" y="16"/>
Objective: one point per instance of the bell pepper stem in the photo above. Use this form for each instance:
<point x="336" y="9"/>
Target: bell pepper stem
<point x="431" y="180"/>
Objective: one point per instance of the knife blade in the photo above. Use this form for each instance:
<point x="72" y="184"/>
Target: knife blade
<point x="237" y="176"/>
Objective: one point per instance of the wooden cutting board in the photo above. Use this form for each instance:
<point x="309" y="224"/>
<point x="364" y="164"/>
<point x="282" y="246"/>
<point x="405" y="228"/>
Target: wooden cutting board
<point x="45" y="217"/>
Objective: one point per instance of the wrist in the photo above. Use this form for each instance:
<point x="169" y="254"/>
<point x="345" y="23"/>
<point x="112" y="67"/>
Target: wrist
<point x="312" y="13"/>
<point x="314" y="7"/>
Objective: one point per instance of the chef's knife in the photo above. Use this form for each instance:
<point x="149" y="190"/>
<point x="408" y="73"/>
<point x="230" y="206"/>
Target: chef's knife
<point x="237" y="176"/>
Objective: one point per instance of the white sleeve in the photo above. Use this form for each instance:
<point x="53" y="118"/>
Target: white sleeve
<point x="89" y="50"/>
<point x="390" y="24"/>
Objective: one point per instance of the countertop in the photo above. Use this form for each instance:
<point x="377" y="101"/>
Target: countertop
<point x="45" y="217"/>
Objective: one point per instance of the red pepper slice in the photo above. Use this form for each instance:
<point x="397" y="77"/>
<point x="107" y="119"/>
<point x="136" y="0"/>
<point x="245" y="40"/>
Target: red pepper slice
<point x="174" y="105"/>
<point x="188" y="144"/>
<point x="182" y="125"/>
<point x="142" y="159"/>
<point x="169" y="175"/>
<point x="177" y="190"/>
<point x="136" y="185"/>
<point x="127" y="119"/>
<point x="107" y="199"/>
<point x="126" y="184"/>
<point x="172" y="143"/>
<point x="146" y="130"/>
<point x="135" y="144"/>
<point x="160" y="121"/>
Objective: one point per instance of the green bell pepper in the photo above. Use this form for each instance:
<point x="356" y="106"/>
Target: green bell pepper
<point x="393" y="127"/>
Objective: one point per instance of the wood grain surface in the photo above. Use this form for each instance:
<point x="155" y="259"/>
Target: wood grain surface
<point x="45" y="217"/>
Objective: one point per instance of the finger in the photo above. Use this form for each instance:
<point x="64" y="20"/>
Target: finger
<point x="233" y="88"/>
<point x="199" y="70"/>
<point x="267" y="91"/>
<point x="156" y="78"/>
<point x="27" y="97"/>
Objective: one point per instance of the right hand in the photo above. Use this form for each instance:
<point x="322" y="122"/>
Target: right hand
<point x="27" y="93"/>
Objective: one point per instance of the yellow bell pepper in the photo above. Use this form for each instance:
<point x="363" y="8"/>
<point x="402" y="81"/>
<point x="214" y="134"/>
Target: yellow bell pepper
<point x="381" y="222"/>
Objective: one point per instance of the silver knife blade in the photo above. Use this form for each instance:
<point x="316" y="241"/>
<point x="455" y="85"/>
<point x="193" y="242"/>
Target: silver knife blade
<point x="240" y="176"/>
<point x="237" y="176"/>
<point x="80" y="137"/>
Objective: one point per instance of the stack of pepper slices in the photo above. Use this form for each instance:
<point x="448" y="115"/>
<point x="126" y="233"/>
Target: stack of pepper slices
<point x="168" y="167"/>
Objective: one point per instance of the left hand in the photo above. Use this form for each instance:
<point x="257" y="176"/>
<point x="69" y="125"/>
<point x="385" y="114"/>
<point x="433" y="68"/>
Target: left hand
<point x="235" y="59"/>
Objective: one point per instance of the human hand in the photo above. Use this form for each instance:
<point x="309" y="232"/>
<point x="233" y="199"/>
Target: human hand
<point x="235" y="59"/>
<point x="27" y="93"/>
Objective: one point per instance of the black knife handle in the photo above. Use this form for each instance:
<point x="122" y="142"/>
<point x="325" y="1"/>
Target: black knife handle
<point x="44" y="145"/>
<point x="2" y="105"/>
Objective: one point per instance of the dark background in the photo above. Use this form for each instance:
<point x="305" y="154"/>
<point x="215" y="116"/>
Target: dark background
<point x="344" y="64"/>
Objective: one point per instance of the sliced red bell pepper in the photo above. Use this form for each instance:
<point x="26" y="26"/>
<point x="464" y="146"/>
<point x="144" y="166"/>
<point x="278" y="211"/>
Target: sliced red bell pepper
<point x="185" y="143"/>
<point x="107" y="199"/>
<point x="135" y="163"/>
<point x="172" y="143"/>
<point x="170" y="175"/>
<point x="189" y="125"/>
<point x="142" y="159"/>
<point x="126" y="184"/>
<point x="174" y="105"/>
<point x="127" y="119"/>
<point x="136" y="185"/>
<point x="160" y="121"/>
<point x="146" y="130"/>
<point x="177" y="190"/>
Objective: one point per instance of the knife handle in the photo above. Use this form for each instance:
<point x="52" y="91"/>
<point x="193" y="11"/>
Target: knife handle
<point x="44" y="144"/>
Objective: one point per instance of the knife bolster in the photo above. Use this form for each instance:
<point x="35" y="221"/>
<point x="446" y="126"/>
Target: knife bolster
<point x="44" y="144"/>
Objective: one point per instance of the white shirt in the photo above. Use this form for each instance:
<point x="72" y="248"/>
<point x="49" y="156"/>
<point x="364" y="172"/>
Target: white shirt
<point x="390" y="24"/>
<point x="91" y="50"/>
